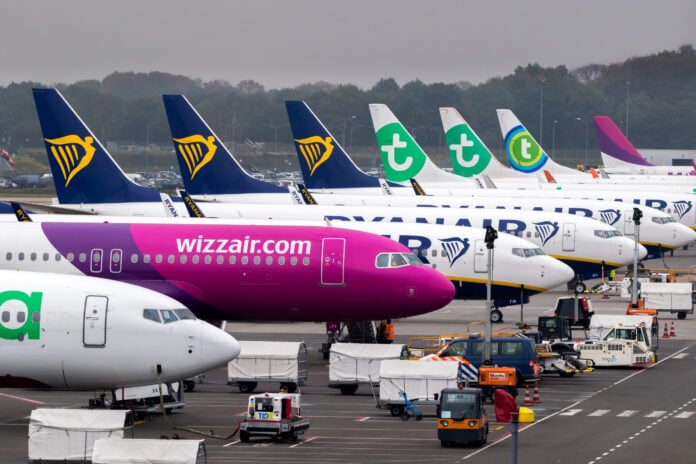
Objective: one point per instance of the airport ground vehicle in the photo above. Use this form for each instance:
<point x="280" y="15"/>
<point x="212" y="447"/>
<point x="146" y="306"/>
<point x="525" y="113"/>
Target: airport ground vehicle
<point x="555" y="349"/>
<point x="143" y="400"/>
<point x="617" y="340"/>
<point x="462" y="417"/>
<point x="518" y="353"/>
<point x="262" y="361"/>
<point x="276" y="415"/>
<point x="565" y="307"/>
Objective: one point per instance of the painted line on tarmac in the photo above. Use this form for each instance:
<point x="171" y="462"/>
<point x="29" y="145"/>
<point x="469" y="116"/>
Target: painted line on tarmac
<point x="19" y="398"/>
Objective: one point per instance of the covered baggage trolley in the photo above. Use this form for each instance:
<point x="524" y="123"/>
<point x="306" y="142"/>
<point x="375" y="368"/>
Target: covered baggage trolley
<point x="149" y="451"/>
<point x="351" y="364"/>
<point x="261" y="361"/>
<point x="420" y="381"/>
<point x="68" y="435"/>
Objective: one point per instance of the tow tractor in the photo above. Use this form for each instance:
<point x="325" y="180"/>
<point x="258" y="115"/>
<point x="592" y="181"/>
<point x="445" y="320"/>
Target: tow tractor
<point x="275" y="415"/>
<point x="461" y="417"/>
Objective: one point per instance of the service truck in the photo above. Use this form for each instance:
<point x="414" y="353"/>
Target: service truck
<point x="275" y="415"/>
<point x="673" y="297"/>
<point x="619" y="340"/>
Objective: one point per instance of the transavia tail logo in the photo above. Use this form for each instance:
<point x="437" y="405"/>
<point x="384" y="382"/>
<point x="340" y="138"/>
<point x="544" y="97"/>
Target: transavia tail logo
<point x="21" y="315"/>
<point x="610" y="216"/>
<point x="523" y="152"/>
<point x="315" y="150"/>
<point x="72" y="154"/>
<point x="546" y="230"/>
<point x="401" y="157"/>
<point x="454" y="248"/>
<point x="196" y="151"/>
<point x="469" y="156"/>
<point x="682" y="207"/>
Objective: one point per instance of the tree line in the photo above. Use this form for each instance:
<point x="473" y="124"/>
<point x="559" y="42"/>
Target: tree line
<point x="652" y="98"/>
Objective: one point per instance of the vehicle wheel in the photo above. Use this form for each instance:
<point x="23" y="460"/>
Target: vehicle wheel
<point x="566" y="374"/>
<point x="396" y="410"/>
<point x="419" y="417"/>
<point x="189" y="386"/>
<point x="681" y="315"/>
<point x="404" y="417"/>
<point x="247" y="387"/>
<point x="484" y="439"/>
<point x="348" y="389"/>
<point x="444" y="443"/>
<point x="580" y="287"/>
<point x="244" y="436"/>
<point x="496" y="316"/>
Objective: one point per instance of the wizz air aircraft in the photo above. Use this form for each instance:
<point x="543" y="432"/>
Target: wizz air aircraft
<point x="619" y="156"/>
<point x="84" y="333"/>
<point x="234" y="271"/>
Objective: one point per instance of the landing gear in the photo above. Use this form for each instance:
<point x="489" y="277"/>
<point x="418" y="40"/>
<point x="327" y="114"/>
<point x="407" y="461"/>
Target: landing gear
<point x="496" y="316"/>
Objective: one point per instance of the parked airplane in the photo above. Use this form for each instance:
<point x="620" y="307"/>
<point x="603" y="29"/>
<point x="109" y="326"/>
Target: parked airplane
<point x="54" y="333"/>
<point x="619" y="156"/>
<point x="526" y="155"/>
<point x="233" y="271"/>
<point x="316" y="147"/>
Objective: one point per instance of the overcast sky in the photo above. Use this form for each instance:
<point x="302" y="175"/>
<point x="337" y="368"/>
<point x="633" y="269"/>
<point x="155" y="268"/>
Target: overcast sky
<point x="283" y="43"/>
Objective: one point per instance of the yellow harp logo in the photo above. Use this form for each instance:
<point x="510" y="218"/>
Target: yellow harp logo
<point x="72" y="154"/>
<point x="315" y="151"/>
<point x="196" y="151"/>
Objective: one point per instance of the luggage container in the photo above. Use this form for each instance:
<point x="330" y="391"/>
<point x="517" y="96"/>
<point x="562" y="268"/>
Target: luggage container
<point x="261" y="361"/>
<point x="352" y="364"/>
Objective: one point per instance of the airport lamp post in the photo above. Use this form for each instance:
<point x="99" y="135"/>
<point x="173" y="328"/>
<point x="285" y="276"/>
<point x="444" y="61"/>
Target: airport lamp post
<point x="490" y="237"/>
<point x="637" y="214"/>
<point x="8" y="138"/>
<point x="343" y="137"/>
<point x="275" y="134"/>
<point x="541" y="112"/>
<point x="553" y="139"/>
<point x="587" y="129"/>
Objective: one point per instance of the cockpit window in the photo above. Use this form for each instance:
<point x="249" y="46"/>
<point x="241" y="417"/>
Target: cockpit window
<point x="152" y="314"/>
<point x="184" y="313"/>
<point x="607" y="233"/>
<point x="663" y="220"/>
<point x="527" y="252"/>
<point x="397" y="260"/>
<point x="168" y="316"/>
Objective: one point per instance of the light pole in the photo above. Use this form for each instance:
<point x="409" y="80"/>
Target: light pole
<point x="587" y="128"/>
<point x="147" y="144"/>
<point x="343" y="141"/>
<point x="489" y="238"/>
<point x="541" y="112"/>
<point x="628" y="91"/>
<point x="553" y="139"/>
<point x="275" y="137"/>
<point x="8" y="138"/>
<point x="350" y="138"/>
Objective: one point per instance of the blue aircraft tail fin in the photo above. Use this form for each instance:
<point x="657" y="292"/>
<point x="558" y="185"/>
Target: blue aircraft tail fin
<point x="83" y="171"/>
<point x="207" y="166"/>
<point x="323" y="161"/>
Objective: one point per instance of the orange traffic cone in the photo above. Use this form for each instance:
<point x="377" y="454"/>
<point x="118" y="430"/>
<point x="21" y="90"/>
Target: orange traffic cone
<point x="664" y="333"/>
<point x="527" y="401"/>
<point x="671" y="331"/>
<point x="535" y="398"/>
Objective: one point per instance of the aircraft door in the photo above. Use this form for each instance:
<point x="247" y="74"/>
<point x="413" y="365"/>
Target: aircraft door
<point x="480" y="256"/>
<point x="569" y="237"/>
<point x="333" y="251"/>
<point x="95" y="260"/>
<point x="94" y="323"/>
<point x="629" y="225"/>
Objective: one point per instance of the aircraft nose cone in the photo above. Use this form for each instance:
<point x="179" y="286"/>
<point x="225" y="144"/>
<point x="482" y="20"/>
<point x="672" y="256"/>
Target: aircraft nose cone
<point x="218" y="347"/>
<point x="562" y="272"/>
<point x="439" y="289"/>
<point x="642" y="252"/>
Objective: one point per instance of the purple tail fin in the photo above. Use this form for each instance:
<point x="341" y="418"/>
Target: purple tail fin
<point x="615" y="144"/>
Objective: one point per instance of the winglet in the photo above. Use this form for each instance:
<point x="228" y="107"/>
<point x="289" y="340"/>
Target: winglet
<point x="549" y="177"/>
<point x="417" y="188"/>
<point x="307" y="197"/>
<point x="191" y="206"/>
<point x="19" y="212"/>
<point x="169" y="208"/>
<point x="384" y="185"/>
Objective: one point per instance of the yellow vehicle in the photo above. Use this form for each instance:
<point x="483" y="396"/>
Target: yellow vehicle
<point x="462" y="417"/>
